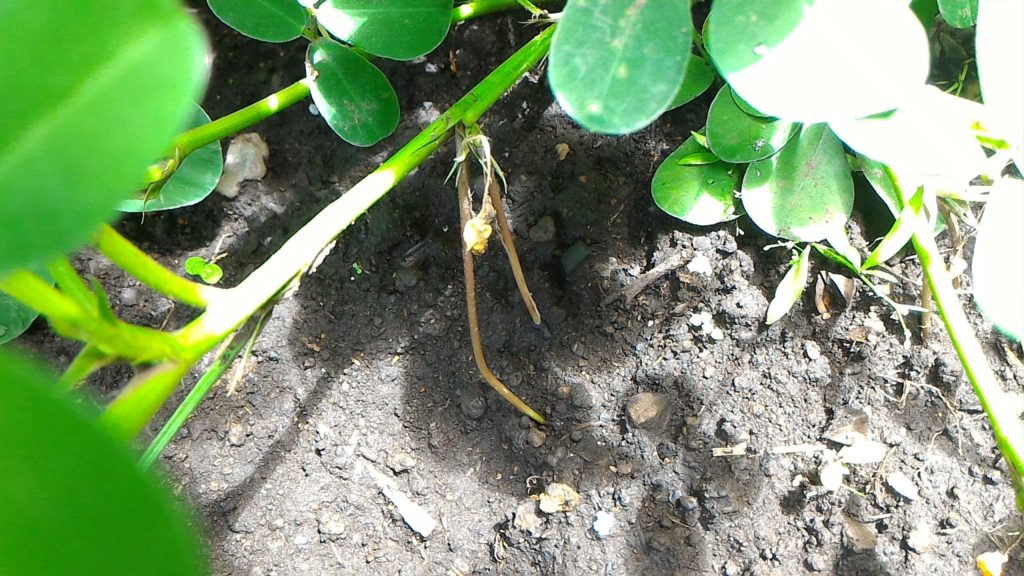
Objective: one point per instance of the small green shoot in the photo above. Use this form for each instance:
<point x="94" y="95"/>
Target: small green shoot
<point x="208" y="272"/>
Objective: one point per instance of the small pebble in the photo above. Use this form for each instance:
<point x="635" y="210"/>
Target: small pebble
<point x="644" y="410"/>
<point x="236" y="433"/>
<point x="401" y="462"/>
<point x="536" y="437"/>
<point x="331" y="524"/>
<point x="700" y="264"/>
<point x="130" y="296"/>
<point x="604" y="523"/>
<point x="543" y="230"/>
<point x="920" y="539"/>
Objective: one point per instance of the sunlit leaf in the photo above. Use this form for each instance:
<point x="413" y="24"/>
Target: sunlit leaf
<point x="63" y="475"/>
<point x="815" y="62"/>
<point x="1000" y="55"/>
<point x="698" y="193"/>
<point x="396" y="29"/>
<point x="790" y="288"/>
<point x="699" y="76"/>
<point x="353" y="96"/>
<point x="998" y="264"/>
<point x="805" y="191"/>
<point x="930" y="137"/>
<point x="735" y="136"/>
<point x="960" y="13"/>
<point x="615" y="65"/>
<point x="266" y="20"/>
<point x="191" y="182"/>
<point x="100" y="98"/>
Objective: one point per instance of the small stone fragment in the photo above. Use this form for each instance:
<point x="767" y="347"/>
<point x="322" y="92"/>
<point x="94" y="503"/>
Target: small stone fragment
<point x="400" y="462"/>
<point x="572" y="257"/>
<point x="857" y="536"/>
<point x="700" y="264"/>
<point x="848" y="426"/>
<point x="245" y="160"/>
<point x="536" y="437"/>
<point x="604" y="523"/>
<point x="920" y="539"/>
<point x="562" y="149"/>
<point x="831" y="475"/>
<point x="130" y="296"/>
<point x="236" y="433"/>
<point x="812" y="350"/>
<point x="331" y="524"/>
<point x="527" y="519"/>
<point x="558" y="497"/>
<point x="902" y="485"/>
<point x="646" y="409"/>
<point x="543" y="230"/>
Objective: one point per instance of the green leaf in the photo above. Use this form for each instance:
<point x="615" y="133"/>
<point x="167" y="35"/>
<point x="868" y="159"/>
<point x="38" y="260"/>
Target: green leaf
<point x="930" y="136"/>
<point x="353" y="96"/>
<point x="805" y="191"/>
<point x="960" y="13"/>
<point x="101" y="97"/>
<point x="699" y="76"/>
<point x="191" y="182"/>
<point x="999" y="48"/>
<point x="266" y="20"/>
<point x="701" y="194"/>
<point x="735" y="136"/>
<point x="64" y="476"/>
<point x="817" y="62"/>
<point x="615" y="65"/>
<point x="998" y="264"/>
<point x="875" y="174"/>
<point x="15" y="318"/>
<point x="898" y="235"/>
<point x="925" y="10"/>
<point x="396" y="29"/>
<point x="210" y="272"/>
<point x="790" y="288"/>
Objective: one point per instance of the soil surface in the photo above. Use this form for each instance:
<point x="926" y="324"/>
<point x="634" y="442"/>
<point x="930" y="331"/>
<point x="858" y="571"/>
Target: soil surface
<point x="696" y="437"/>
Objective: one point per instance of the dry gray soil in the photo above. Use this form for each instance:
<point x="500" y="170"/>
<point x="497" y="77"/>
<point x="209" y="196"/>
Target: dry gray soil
<point x="365" y="377"/>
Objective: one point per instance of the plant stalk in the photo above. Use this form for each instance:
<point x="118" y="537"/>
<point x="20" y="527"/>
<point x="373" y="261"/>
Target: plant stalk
<point x="1002" y="412"/>
<point x="143" y="267"/>
<point x="478" y="8"/>
<point x="194" y="139"/>
<point x="304" y="250"/>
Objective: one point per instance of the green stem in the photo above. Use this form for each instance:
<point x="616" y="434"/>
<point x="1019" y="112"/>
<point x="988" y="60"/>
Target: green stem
<point x="192" y="401"/>
<point x="87" y="361"/>
<point x="478" y="8"/>
<point x="68" y="280"/>
<point x="200" y="136"/>
<point x="39" y="295"/>
<point x="1003" y="413"/>
<point x="137" y="404"/>
<point x="129" y="258"/>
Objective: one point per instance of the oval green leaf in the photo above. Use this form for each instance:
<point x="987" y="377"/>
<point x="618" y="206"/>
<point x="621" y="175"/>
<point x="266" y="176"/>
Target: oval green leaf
<point x="99" y="100"/>
<point x="960" y="13"/>
<point x="735" y="136"/>
<point x="63" y="475"/>
<point x="396" y="29"/>
<point x="790" y="288"/>
<point x="931" y="136"/>
<point x="1000" y="52"/>
<point x="615" y="65"/>
<point x="816" y="62"/>
<point x="699" y="76"/>
<point x="998" y="263"/>
<point x="803" y="193"/>
<point x="191" y="182"/>
<point x="699" y="193"/>
<point x="15" y="318"/>
<point x="353" y="96"/>
<point x="266" y="20"/>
